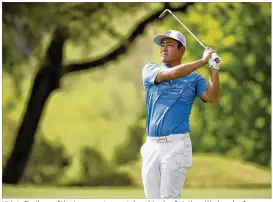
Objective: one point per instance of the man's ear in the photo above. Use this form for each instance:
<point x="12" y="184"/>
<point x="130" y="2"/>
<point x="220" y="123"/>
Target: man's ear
<point x="182" y="50"/>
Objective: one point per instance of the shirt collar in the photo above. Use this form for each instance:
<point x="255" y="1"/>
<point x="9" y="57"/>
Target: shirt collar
<point x="165" y="65"/>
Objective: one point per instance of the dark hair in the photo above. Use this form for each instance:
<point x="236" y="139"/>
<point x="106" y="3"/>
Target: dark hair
<point x="180" y="45"/>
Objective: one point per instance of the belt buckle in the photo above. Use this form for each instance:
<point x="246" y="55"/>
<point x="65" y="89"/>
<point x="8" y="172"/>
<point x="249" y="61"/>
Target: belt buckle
<point x="162" y="139"/>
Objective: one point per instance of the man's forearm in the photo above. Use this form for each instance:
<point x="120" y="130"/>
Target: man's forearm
<point x="214" y="89"/>
<point x="185" y="69"/>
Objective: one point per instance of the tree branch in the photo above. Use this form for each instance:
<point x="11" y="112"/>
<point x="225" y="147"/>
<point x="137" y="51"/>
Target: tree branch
<point x="123" y="48"/>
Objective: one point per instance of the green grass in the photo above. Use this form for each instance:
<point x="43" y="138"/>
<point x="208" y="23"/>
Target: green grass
<point x="216" y="171"/>
<point x="91" y="192"/>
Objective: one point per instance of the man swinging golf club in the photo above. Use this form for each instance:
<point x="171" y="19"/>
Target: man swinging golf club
<point x="170" y="90"/>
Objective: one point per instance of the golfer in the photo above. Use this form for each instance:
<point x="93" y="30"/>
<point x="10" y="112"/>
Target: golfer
<point x="170" y="89"/>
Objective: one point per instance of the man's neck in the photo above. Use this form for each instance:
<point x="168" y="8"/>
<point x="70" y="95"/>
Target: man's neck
<point x="173" y="63"/>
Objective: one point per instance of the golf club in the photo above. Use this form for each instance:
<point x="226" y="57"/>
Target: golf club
<point x="215" y="57"/>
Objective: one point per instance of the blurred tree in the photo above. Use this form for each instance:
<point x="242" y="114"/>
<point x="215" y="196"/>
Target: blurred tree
<point x="24" y="26"/>
<point x="97" y="172"/>
<point x="48" y="163"/>
<point x="129" y="150"/>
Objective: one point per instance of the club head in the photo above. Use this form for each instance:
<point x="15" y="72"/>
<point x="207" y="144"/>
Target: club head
<point x="164" y="12"/>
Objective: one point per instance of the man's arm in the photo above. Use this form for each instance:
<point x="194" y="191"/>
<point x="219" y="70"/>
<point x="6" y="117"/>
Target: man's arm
<point x="183" y="69"/>
<point x="212" y="94"/>
<point x="179" y="71"/>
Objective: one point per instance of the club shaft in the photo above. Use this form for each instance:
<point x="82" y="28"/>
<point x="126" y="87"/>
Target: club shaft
<point x="217" y="59"/>
<point x="187" y="30"/>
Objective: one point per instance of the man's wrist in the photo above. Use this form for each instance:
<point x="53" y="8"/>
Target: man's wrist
<point x="214" y="66"/>
<point x="214" y="70"/>
<point x="203" y="62"/>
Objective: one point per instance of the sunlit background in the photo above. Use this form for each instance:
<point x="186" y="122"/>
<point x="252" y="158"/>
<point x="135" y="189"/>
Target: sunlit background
<point x="73" y="102"/>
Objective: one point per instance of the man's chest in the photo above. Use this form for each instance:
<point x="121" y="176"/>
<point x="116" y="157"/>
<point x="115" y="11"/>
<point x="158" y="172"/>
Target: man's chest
<point x="178" y="89"/>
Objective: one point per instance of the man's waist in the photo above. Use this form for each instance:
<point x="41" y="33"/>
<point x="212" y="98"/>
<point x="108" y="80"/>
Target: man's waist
<point x="165" y="130"/>
<point x="168" y="138"/>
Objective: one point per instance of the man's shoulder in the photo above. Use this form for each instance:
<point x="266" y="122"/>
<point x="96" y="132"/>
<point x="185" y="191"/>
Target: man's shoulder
<point x="193" y="78"/>
<point x="196" y="75"/>
<point x="151" y="65"/>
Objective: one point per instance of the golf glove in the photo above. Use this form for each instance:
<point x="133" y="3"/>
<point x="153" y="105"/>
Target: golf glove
<point x="212" y="61"/>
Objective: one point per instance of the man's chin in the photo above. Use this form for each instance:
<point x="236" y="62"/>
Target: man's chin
<point x="164" y="60"/>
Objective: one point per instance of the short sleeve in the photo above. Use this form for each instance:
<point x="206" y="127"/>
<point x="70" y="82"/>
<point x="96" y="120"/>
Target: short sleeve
<point x="201" y="86"/>
<point x="149" y="73"/>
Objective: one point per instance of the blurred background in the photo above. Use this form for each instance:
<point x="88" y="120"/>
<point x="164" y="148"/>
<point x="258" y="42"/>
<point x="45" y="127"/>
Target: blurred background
<point x="73" y="102"/>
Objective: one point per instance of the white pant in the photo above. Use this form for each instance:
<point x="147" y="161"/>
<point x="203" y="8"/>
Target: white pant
<point x="165" y="164"/>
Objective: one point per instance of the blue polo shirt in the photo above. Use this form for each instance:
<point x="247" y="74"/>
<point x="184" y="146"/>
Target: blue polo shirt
<point x="169" y="103"/>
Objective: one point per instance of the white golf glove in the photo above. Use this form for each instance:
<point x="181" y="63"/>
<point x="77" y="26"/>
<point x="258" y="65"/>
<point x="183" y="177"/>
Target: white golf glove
<point x="212" y="61"/>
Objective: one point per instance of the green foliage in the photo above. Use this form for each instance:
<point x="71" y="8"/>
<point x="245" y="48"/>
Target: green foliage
<point x="49" y="159"/>
<point x="92" y="164"/>
<point x="10" y="56"/>
<point x="100" y="118"/>
<point x="97" y="172"/>
<point x="239" y="125"/>
<point x="129" y="150"/>
<point x="26" y="24"/>
<point x="47" y="164"/>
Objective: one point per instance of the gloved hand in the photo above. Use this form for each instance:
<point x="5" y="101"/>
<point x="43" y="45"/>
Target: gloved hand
<point x="207" y="54"/>
<point x="214" y="61"/>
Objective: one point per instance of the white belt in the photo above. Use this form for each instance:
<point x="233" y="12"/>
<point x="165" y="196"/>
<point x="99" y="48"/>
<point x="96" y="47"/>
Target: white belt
<point x="169" y="138"/>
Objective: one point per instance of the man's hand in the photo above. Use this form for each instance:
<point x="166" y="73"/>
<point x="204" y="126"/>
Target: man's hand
<point x="213" y="64"/>
<point x="207" y="53"/>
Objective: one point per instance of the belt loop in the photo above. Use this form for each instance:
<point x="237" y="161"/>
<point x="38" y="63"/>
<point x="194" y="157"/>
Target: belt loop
<point x="162" y="139"/>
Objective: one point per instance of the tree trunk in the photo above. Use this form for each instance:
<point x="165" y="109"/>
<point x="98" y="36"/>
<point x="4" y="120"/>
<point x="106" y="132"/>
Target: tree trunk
<point x="46" y="81"/>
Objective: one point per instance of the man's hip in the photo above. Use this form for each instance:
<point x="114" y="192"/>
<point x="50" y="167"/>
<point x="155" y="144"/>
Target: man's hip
<point x="165" y="164"/>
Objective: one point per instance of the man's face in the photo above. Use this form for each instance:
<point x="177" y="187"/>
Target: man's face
<point x="169" y="51"/>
